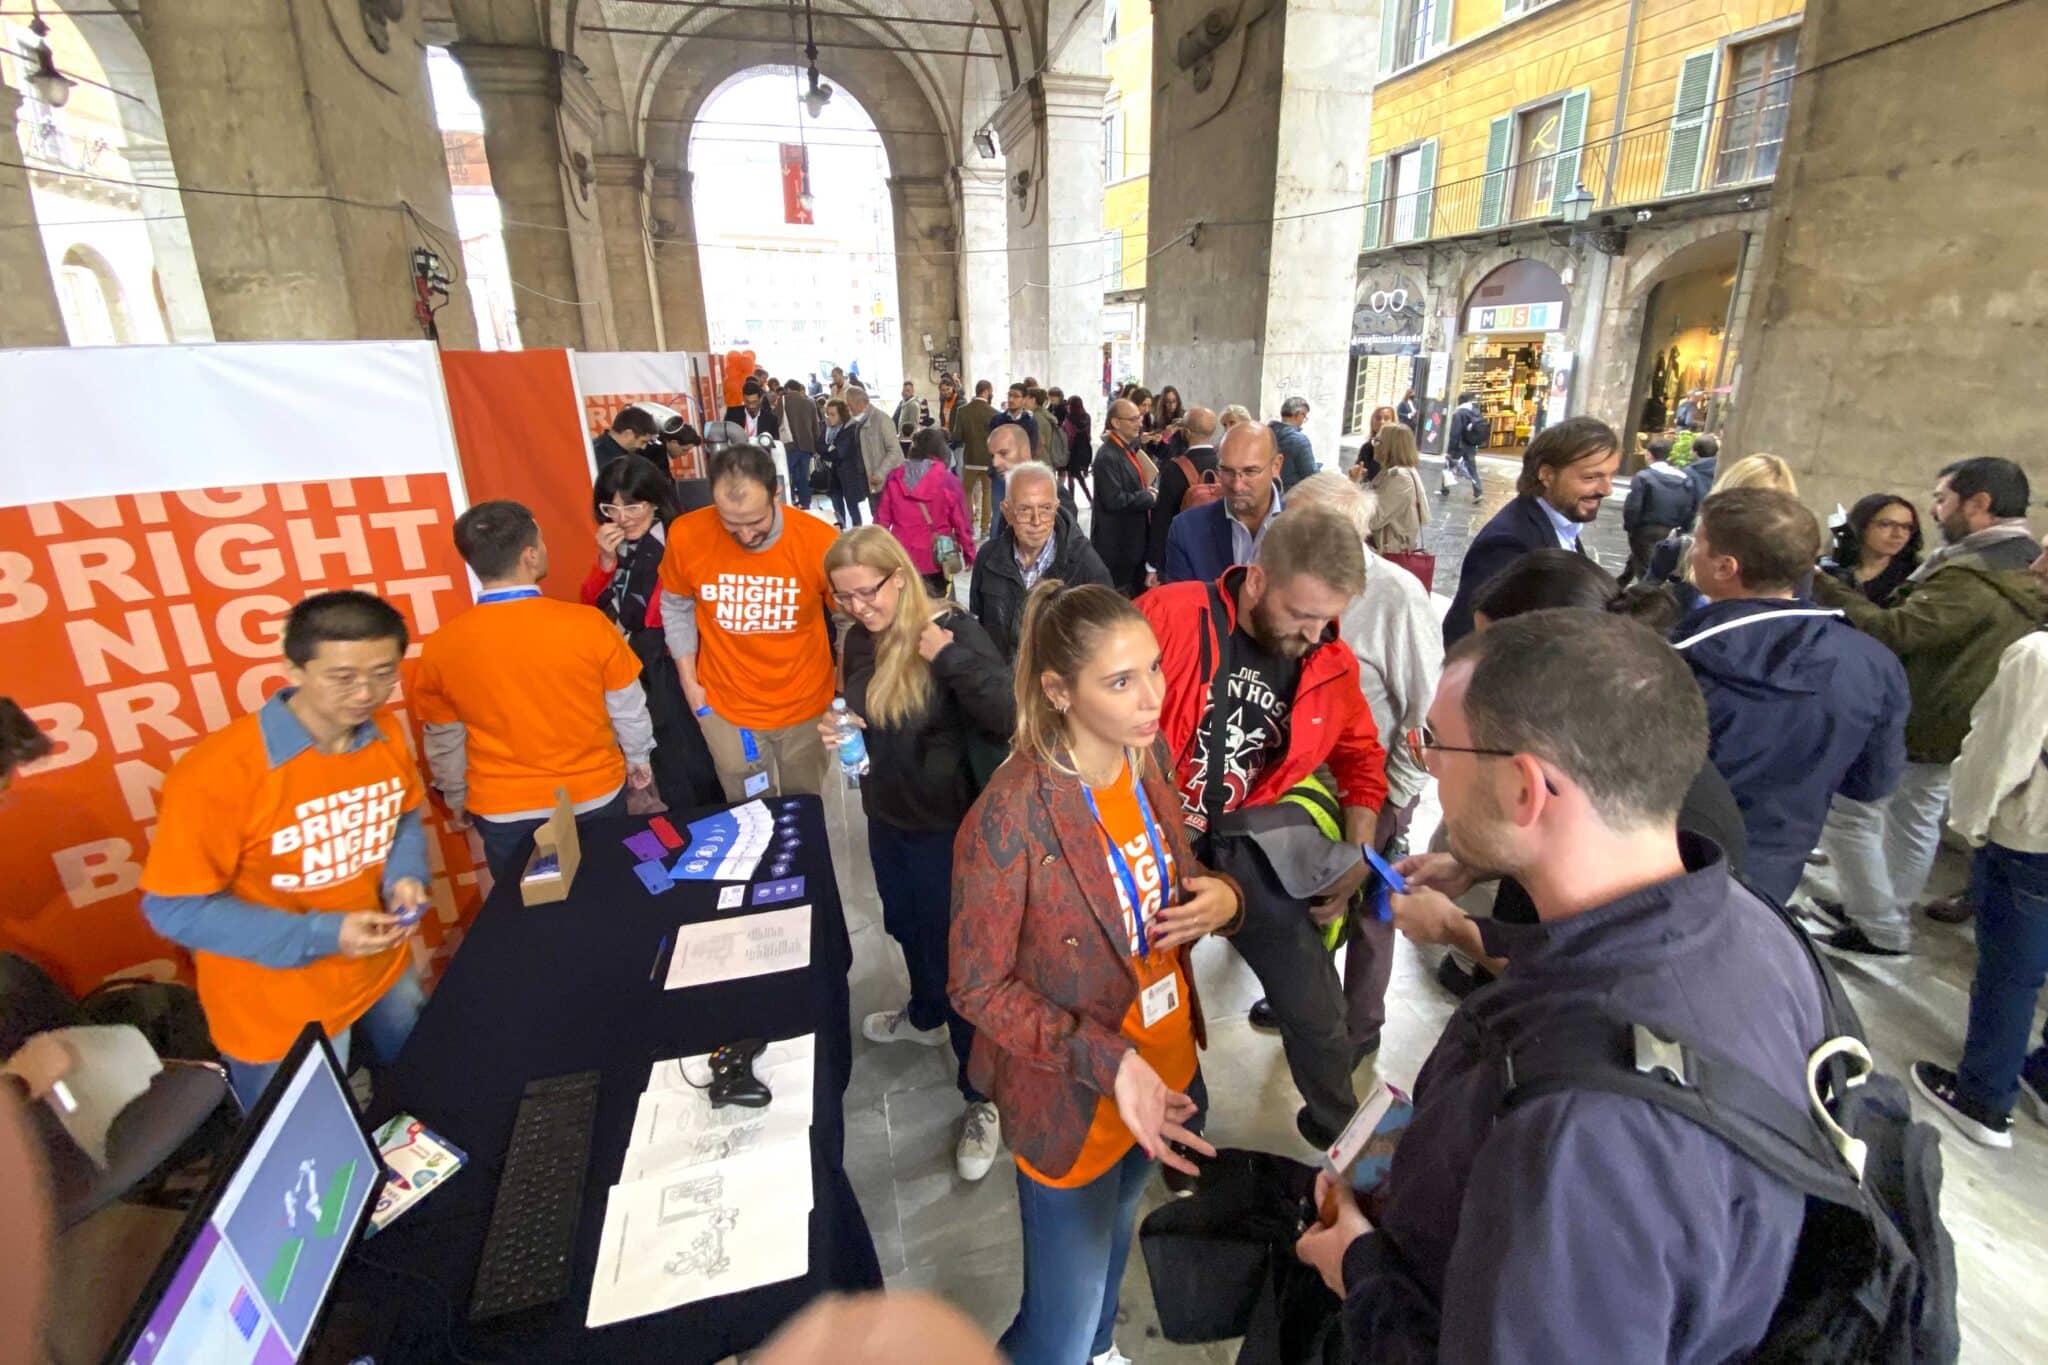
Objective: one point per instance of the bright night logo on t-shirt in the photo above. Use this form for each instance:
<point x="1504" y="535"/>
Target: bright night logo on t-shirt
<point x="338" y="835"/>
<point x="1145" y="869"/>
<point x="753" y="603"/>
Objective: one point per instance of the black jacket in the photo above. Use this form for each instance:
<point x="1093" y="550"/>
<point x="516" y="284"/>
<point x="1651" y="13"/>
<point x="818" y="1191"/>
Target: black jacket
<point x="996" y="594"/>
<point x="1516" y="529"/>
<point x="1173" y="486"/>
<point x="918" y="777"/>
<point x="1123" y="512"/>
<point x="1468" y="432"/>
<point x="1659" y="495"/>
<point x="765" y="422"/>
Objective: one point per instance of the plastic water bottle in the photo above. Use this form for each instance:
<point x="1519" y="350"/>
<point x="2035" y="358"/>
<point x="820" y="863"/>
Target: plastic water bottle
<point x="853" y="746"/>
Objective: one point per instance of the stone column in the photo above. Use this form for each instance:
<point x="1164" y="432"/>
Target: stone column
<point x="30" y="316"/>
<point x="924" y="276"/>
<point x="1051" y="133"/>
<point x="622" y="199"/>
<point x="170" y="242"/>
<point x="540" y="116"/>
<point x="678" y="276"/>
<point x="334" y="113"/>
<point x="984" y="277"/>
<point x="1273" y="124"/>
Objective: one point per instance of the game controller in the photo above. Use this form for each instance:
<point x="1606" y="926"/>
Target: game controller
<point x="732" y="1076"/>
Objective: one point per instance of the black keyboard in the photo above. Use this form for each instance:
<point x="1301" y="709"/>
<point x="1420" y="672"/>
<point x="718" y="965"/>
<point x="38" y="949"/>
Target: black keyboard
<point x="532" y="1237"/>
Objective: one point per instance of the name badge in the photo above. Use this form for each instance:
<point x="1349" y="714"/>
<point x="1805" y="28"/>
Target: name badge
<point x="755" y="784"/>
<point x="1159" y="999"/>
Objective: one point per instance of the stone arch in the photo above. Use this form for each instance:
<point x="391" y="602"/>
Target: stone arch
<point x="919" y="141"/>
<point x="1477" y="268"/>
<point x="1668" y="254"/>
<point x="1673" y="251"/>
<point x="102" y="310"/>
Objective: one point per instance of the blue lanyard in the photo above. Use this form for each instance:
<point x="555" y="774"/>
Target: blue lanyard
<point x="1122" y="865"/>
<point x="506" y="595"/>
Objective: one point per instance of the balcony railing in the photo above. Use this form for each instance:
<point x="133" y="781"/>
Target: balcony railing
<point x="1635" y="170"/>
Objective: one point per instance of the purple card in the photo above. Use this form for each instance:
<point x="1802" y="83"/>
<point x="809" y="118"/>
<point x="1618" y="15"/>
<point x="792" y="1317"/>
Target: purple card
<point x="646" y="846"/>
<point x="654" y="875"/>
<point x="768" y="893"/>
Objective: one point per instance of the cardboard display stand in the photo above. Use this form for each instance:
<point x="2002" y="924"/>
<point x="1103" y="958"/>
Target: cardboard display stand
<point x="558" y="837"/>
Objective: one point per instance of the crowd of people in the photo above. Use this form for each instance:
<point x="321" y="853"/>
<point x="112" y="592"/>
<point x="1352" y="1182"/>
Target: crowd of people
<point x="1089" y="766"/>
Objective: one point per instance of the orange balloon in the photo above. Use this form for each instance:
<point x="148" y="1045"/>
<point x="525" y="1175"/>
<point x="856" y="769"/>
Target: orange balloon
<point x="739" y="367"/>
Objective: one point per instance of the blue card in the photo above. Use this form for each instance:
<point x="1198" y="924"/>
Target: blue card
<point x="768" y="893"/>
<point x="1390" y="880"/>
<point x="654" y="875"/>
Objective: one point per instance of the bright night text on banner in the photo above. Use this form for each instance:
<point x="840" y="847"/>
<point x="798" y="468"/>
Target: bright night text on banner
<point x="134" y="626"/>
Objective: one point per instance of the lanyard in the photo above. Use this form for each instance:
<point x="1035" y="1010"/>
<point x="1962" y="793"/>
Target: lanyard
<point x="506" y="595"/>
<point x="1122" y="865"/>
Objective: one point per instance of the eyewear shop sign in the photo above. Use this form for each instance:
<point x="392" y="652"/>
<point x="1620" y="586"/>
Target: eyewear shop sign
<point x="1516" y="317"/>
<point x="1387" y="314"/>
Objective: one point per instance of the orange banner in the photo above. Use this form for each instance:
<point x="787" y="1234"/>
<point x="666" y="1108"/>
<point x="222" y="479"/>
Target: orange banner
<point x="137" y="624"/>
<point x="519" y="436"/>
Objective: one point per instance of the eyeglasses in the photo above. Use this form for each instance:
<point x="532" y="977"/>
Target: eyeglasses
<point x="1422" y="741"/>
<point x="865" y="596"/>
<point x="619" y="511"/>
<point x="1027" y="512"/>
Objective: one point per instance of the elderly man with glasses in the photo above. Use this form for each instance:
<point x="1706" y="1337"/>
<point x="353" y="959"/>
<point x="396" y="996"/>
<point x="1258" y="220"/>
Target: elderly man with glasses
<point x="1035" y="539"/>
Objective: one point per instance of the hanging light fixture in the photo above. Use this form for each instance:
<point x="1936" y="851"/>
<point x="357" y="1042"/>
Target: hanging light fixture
<point x="815" y="97"/>
<point x="52" y="86"/>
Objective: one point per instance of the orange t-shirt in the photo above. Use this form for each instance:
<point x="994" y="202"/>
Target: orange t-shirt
<point x="527" y="678"/>
<point x="310" y="835"/>
<point x="1169" y="1044"/>
<point x="764" y="645"/>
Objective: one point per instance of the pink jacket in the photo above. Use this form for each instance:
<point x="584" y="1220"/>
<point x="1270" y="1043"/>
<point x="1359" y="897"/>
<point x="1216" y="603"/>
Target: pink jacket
<point x="915" y="515"/>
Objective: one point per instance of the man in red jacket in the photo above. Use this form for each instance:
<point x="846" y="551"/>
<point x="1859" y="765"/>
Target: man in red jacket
<point x="1290" y="704"/>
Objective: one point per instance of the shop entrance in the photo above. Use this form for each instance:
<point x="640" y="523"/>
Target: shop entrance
<point x="1684" y="347"/>
<point x="1513" y="352"/>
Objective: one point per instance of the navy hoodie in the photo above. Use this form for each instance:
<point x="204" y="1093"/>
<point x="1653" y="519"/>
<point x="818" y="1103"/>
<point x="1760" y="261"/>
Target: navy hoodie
<point x="1800" y="705"/>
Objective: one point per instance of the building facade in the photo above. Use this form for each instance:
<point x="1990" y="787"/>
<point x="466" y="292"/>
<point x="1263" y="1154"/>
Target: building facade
<point x="1126" y="161"/>
<point x="1565" y="207"/>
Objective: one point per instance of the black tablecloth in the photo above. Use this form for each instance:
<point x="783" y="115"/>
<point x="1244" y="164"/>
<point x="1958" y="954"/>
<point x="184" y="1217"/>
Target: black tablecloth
<point x="544" y="990"/>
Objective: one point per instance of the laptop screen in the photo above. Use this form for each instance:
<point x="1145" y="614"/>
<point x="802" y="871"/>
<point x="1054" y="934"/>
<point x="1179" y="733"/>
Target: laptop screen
<point x="252" y="1281"/>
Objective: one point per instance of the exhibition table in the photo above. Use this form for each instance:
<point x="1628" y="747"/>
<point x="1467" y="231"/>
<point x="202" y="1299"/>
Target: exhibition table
<point x="574" y="986"/>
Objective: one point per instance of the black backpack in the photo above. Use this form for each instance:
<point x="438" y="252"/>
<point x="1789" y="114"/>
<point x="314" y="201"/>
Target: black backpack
<point x="1873" y="1277"/>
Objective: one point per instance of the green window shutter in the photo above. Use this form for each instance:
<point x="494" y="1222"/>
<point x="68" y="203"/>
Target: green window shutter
<point x="1375" y="202"/>
<point x="1440" y="26"/>
<point x="1493" y="194"/>
<point x="1571" y="143"/>
<point x="1425" y="196"/>
<point x="1691" y="121"/>
<point x="1390" y="14"/>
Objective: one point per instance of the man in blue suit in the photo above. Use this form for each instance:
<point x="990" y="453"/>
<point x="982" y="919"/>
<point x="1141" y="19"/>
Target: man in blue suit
<point x="1567" y="472"/>
<point x="1206" y="540"/>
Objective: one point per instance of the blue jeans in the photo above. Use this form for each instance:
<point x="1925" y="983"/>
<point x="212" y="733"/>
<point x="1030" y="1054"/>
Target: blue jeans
<point x="1075" y="1245"/>
<point x="385" y="1026"/>
<point x="799" y="476"/>
<point x="2010" y="891"/>
<point x="505" y="840"/>
<point x="914" y="876"/>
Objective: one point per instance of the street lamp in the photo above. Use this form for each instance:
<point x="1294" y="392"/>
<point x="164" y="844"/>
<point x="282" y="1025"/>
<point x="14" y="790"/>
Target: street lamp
<point x="52" y="86"/>
<point x="1577" y="205"/>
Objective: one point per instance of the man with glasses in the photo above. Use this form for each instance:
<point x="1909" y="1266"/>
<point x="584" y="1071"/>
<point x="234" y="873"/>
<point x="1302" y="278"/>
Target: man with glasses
<point x="1037" y="539"/>
<point x="1260" y="693"/>
<point x="288" y="854"/>
<point x="1206" y="540"/>
<point x="570" y="718"/>
<point x="745" y="605"/>
<point x="1122" y="478"/>
<point x="1562" y="760"/>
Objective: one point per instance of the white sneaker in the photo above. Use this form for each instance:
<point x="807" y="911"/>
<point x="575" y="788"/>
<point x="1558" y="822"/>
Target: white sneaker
<point x="981" y="1132"/>
<point x="1111" y="1357"/>
<point x="894" y="1026"/>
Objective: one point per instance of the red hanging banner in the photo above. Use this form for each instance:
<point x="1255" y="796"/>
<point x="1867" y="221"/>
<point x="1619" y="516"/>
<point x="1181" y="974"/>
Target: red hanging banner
<point x="796" y="183"/>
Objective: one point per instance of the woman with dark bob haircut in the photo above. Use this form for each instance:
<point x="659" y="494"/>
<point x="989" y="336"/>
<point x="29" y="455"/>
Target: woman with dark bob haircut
<point x="633" y="503"/>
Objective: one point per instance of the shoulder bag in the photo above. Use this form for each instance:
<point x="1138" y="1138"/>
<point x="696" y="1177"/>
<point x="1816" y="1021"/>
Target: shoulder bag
<point x="1419" y="562"/>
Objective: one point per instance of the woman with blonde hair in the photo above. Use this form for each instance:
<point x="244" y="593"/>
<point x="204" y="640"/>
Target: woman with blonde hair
<point x="1231" y="416"/>
<point x="1368" y="466"/>
<point x="1757" y="471"/>
<point x="1076" y="897"/>
<point x="1403" y="508"/>
<point x="929" y="688"/>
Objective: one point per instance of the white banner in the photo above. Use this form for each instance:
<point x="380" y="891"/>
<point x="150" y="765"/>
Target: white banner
<point x="632" y="371"/>
<point x="165" y="419"/>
